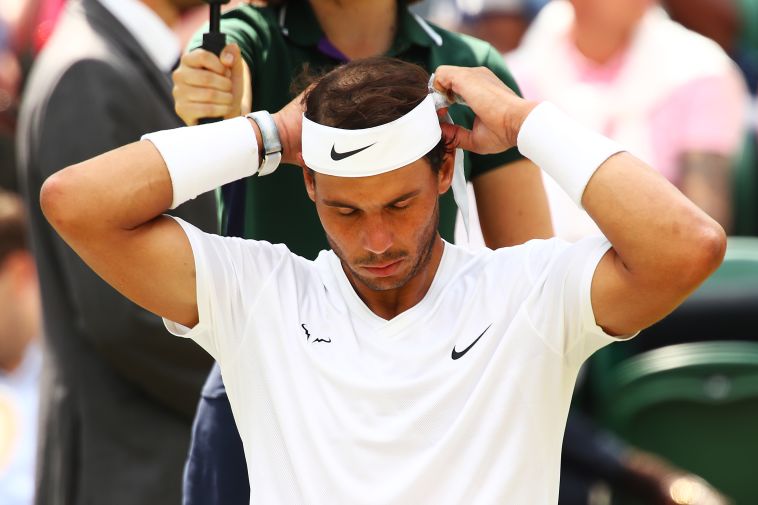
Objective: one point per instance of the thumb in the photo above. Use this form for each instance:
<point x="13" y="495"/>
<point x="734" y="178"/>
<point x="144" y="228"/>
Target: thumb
<point x="230" y="56"/>
<point x="457" y="136"/>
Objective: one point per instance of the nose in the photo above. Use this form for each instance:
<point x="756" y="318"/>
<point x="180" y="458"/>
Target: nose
<point x="377" y="235"/>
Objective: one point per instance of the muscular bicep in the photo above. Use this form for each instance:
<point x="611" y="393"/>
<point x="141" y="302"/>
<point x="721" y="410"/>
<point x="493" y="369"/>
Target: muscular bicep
<point x="153" y="266"/>
<point x="512" y="204"/>
<point x="663" y="245"/>
<point x="105" y="209"/>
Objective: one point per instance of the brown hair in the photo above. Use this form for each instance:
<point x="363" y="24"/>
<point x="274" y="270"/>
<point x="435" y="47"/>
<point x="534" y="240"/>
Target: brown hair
<point x="12" y="224"/>
<point x="370" y="92"/>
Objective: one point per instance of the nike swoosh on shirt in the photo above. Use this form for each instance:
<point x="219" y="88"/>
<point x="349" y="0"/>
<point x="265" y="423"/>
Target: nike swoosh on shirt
<point x="341" y="156"/>
<point x="458" y="354"/>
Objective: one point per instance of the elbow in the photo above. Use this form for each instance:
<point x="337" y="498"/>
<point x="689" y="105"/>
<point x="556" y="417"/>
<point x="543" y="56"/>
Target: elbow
<point x="58" y="202"/>
<point x="705" y="254"/>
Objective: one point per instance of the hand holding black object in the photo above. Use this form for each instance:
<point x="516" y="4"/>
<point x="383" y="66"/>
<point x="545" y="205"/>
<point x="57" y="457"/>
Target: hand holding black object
<point x="214" y="41"/>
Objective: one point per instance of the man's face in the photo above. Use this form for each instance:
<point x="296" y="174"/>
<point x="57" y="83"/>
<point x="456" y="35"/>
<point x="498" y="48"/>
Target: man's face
<point x="382" y="227"/>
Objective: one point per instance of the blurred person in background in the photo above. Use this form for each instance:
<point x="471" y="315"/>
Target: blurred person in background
<point x="25" y="26"/>
<point x="119" y="393"/>
<point x="624" y="68"/>
<point x="502" y="23"/>
<point x="731" y="23"/>
<point x="20" y="357"/>
<point x="276" y="43"/>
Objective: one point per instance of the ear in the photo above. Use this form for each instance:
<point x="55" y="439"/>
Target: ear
<point x="310" y="183"/>
<point x="445" y="175"/>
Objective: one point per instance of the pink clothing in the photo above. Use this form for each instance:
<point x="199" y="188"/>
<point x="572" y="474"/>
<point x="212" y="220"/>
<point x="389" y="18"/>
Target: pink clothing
<point x="705" y="114"/>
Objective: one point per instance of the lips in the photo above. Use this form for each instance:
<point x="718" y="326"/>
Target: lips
<point x="383" y="269"/>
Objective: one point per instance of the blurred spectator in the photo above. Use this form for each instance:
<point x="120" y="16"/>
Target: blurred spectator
<point x="502" y="23"/>
<point x="597" y="467"/>
<point x="623" y="67"/>
<point x="119" y="393"/>
<point x="20" y="358"/>
<point x="731" y="23"/>
<point x="24" y="27"/>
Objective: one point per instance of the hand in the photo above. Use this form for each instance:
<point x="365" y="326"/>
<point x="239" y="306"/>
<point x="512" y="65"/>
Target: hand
<point x="661" y="483"/>
<point x="208" y="86"/>
<point x="289" y="124"/>
<point x="499" y="111"/>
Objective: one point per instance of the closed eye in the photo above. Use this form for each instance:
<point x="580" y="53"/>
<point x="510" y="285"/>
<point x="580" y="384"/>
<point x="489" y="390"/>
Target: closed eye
<point x="345" y="211"/>
<point x="400" y="205"/>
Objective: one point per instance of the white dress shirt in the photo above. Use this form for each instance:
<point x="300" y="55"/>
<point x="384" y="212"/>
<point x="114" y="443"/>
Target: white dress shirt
<point x="155" y="37"/>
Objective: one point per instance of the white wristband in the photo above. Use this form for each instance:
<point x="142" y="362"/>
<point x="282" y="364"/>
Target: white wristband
<point x="202" y="158"/>
<point x="569" y="152"/>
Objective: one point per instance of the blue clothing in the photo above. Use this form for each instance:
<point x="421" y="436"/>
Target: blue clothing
<point x="216" y="471"/>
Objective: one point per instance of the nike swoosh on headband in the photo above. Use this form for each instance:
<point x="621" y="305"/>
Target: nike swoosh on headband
<point x="341" y="156"/>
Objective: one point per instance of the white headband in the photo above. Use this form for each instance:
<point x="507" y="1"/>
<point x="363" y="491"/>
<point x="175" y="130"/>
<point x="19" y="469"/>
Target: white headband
<point x="383" y="148"/>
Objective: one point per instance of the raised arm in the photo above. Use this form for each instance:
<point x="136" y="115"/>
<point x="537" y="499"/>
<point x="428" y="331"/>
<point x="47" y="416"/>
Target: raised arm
<point x="109" y="210"/>
<point x="664" y="246"/>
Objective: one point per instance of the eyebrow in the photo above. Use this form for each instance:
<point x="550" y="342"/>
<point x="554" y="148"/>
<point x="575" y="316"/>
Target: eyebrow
<point x="406" y="196"/>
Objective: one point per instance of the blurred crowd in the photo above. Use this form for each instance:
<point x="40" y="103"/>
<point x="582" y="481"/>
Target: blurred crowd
<point x="675" y="81"/>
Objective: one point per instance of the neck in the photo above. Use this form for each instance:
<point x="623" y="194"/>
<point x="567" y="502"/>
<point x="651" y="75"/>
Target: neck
<point x="389" y="303"/>
<point x="358" y="28"/>
<point x="599" y="44"/>
<point x="165" y="10"/>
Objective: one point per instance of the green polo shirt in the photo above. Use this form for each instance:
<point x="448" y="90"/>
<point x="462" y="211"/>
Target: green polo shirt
<point x="277" y="43"/>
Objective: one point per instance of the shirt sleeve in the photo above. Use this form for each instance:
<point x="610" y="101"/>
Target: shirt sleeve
<point x="231" y="273"/>
<point x="560" y="304"/>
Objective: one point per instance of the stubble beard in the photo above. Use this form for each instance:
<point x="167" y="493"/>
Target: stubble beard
<point x="427" y="237"/>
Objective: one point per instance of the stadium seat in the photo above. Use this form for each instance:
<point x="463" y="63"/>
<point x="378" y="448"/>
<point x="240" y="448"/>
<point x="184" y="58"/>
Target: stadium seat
<point x="695" y="404"/>
<point x="725" y="307"/>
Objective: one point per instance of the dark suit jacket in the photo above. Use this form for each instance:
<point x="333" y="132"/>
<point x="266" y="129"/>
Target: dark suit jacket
<point x="119" y="392"/>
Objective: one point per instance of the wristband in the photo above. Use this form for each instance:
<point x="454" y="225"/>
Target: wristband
<point x="202" y="158"/>
<point x="569" y="152"/>
<point x="272" y="146"/>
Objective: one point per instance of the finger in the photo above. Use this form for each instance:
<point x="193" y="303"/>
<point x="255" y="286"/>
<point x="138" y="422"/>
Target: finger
<point x="458" y="137"/>
<point x="201" y="79"/>
<point x="207" y="95"/>
<point x="236" y="71"/>
<point x="200" y="58"/>
<point x="231" y="55"/>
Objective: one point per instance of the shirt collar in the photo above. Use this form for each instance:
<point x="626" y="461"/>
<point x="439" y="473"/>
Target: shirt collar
<point x="298" y="22"/>
<point x="152" y="34"/>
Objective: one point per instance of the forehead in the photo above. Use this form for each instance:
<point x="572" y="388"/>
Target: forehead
<point x="376" y="188"/>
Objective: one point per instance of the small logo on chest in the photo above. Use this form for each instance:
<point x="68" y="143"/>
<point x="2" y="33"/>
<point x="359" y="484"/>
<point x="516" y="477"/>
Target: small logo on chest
<point x="459" y="354"/>
<point x="315" y="340"/>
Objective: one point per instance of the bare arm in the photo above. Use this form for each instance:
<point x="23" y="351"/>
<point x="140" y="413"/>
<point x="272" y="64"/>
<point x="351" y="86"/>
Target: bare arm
<point x="512" y="205"/>
<point x="707" y="181"/>
<point x="119" y="230"/>
<point x="664" y="246"/>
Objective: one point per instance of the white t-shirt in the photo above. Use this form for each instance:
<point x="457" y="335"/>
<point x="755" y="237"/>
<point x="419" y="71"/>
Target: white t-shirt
<point x="461" y="399"/>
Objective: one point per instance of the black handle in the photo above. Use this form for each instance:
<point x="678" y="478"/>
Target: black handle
<point x="214" y="41"/>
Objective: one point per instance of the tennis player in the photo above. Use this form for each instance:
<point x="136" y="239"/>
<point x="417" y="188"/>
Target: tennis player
<point x="395" y="368"/>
